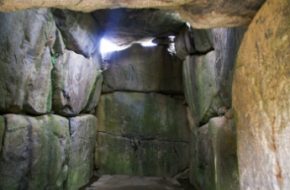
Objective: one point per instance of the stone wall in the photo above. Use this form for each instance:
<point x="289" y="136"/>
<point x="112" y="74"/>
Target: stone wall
<point x="142" y="123"/>
<point x="208" y="62"/>
<point x="261" y="99"/>
<point x="49" y="86"/>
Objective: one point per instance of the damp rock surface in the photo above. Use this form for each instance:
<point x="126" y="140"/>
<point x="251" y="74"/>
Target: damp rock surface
<point x="81" y="162"/>
<point x="34" y="146"/>
<point x="143" y="69"/>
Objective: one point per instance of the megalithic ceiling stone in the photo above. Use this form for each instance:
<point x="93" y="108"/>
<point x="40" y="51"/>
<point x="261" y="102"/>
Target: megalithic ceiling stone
<point x="200" y="13"/>
<point x="123" y="26"/>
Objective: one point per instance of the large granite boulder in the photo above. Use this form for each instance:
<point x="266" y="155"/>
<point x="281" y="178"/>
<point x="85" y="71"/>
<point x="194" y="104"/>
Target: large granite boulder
<point x="143" y="116"/>
<point x="83" y="138"/>
<point x="208" y="78"/>
<point x="215" y="165"/>
<point x="141" y="134"/>
<point x="200" y="13"/>
<point x="2" y="131"/>
<point x="133" y="156"/>
<point x="76" y="84"/>
<point x="193" y="41"/>
<point x="261" y="99"/>
<point x="79" y="30"/>
<point x="35" y="152"/>
<point x="25" y="61"/>
<point x="201" y="87"/>
<point x="143" y="69"/>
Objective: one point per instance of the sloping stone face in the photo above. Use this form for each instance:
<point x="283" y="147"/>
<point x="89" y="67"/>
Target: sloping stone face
<point x="25" y="62"/>
<point x="141" y="134"/>
<point x="200" y="13"/>
<point x="261" y="99"/>
<point x="143" y="69"/>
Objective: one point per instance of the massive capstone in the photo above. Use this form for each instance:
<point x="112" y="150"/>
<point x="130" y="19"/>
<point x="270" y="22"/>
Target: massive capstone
<point x="200" y="13"/>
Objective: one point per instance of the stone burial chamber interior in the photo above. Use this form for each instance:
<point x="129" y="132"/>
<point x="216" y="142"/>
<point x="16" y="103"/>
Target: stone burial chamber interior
<point x="137" y="95"/>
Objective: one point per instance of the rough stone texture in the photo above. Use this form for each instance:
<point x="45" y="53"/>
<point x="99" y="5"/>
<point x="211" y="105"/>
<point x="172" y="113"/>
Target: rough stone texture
<point x="122" y="182"/>
<point x="221" y="13"/>
<point x="201" y="88"/>
<point x="208" y="78"/>
<point x="83" y="138"/>
<point x="75" y="80"/>
<point x="25" y="61"/>
<point x="192" y="41"/>
<point x="143" y="116"/>
<point x="141" y="134"/>
<point x="35" y="152"/>
<point x="261" y="99"/>
<point x="2" y="131"/>
<point x="80" y="31"/>
<point x="216" y="166"/>
<point x="133" y="156"/>
<point x="124" y="26"/>
<point x="199" y="13"/>
<point x="226" y="43"/>
<point x="143" y="69"/>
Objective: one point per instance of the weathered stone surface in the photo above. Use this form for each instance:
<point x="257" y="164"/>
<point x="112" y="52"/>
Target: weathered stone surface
<point x="35" y="152"/>
<point x="74" y="83"/>
<point x="190" y="41"/>
<point x="201" y="88"/>
<point x="144" y="116"/>
<point x="132" y="156"/>
<point x="200" y="13"/>
<point x="221" y="13"/>
<point x="123" y="26"/>
<point x="226" y="43"/>
<point x="83" y="139"/>
<point x="25" y="61"/>
<point x="80" y="31"/>
<point x="2" y="131"/>
<point x="122" y="182"/>
<point x="216" y="166"/>
<point x="143" y="69"/>
<point x="261" y="99"/>
<point x="141" y="134"/>
<point x="208" y="78"/>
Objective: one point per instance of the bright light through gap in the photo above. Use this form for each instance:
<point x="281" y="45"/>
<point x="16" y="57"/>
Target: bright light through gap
<point x="107" y="46"/>
<point x="148" y="43"/>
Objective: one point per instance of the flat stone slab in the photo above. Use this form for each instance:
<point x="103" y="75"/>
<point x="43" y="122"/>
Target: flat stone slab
<point x="123" y="182"/>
